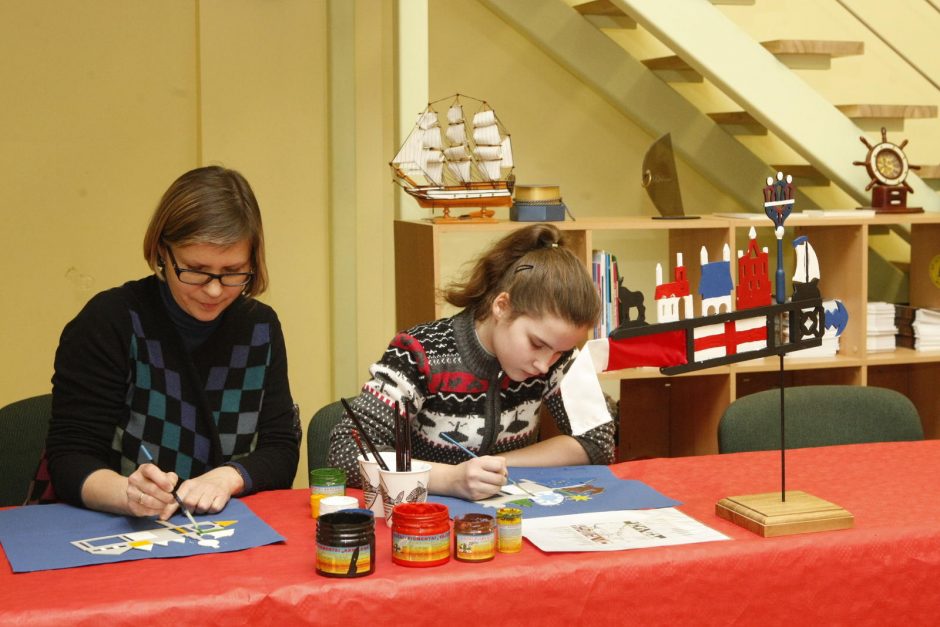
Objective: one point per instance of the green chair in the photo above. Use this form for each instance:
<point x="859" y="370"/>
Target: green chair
<point x="318" y="434"/>
<point x="818" y="415"/>
<point x="23" y="428"/>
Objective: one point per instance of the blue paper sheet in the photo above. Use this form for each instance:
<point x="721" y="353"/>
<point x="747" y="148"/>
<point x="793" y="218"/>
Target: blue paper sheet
<point x="579" y="489"/>
<point x="39" y="537"/>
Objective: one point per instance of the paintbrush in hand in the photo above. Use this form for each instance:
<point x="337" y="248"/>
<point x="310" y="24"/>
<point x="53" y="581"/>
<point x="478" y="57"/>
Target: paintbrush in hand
<point x="472" y="454"/>
<point x="176" y="496"/>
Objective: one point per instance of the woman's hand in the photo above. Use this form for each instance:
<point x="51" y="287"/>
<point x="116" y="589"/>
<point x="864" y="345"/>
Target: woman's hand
<point x="210" y="492"/>
<point x="149" y="492"/>
<point x="473" y="480"/>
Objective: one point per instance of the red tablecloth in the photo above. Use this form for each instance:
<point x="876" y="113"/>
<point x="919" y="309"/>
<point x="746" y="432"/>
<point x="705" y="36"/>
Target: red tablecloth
<point x="886" y="570"/>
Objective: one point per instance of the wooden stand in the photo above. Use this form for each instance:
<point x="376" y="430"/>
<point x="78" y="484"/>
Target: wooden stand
<point x="891" y="199"/>
<point x="783" y="513"/>
<point x="483" y="216"/>
<point x="767" y="515"/>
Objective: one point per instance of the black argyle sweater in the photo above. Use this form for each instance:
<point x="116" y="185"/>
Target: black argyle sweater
<point x="123" y="380"/>
<point x="449" y="384"/>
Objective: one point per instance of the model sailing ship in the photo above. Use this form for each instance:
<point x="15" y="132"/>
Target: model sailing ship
<point x="467" y="165"/>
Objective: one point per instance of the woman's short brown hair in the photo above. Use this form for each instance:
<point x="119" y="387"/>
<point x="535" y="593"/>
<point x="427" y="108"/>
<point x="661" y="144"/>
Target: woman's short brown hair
<point x="209" y="205"/>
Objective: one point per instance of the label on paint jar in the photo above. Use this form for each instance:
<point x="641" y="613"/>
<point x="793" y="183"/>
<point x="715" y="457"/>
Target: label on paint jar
<point x="336" y="560"/>
<point x="424" y="548"/>
<point x="475" y="547"/>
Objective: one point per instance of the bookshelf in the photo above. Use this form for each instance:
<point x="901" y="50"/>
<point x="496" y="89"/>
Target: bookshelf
<point x="676" y="416"/>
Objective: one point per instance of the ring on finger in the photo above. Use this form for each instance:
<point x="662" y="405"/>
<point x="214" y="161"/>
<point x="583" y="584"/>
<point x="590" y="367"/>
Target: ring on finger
<point x="140" y="499"/>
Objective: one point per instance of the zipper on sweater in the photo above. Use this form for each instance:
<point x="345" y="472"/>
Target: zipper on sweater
<point x="492" y="415"/>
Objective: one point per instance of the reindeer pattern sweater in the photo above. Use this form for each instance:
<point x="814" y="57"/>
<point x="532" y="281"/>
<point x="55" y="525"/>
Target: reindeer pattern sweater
<point x="448" y="383"/>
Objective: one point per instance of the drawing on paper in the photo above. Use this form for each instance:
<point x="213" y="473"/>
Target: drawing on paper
<point x="117" y="544"/>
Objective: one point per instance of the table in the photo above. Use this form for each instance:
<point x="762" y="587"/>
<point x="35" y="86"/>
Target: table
<point x="886" y="570"/>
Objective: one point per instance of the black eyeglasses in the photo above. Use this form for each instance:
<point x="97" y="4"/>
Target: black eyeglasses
<point x="198" y="277"/>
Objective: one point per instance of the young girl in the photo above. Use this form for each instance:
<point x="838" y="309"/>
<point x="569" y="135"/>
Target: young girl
<point x="481" y="375"/>
<point x="183" y="365"/>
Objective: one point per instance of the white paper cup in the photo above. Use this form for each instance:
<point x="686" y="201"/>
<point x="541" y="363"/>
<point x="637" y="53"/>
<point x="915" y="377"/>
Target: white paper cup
<point x="369" y="472"/>
<point x="331" y="504"/>
<point x="404" y="487"/>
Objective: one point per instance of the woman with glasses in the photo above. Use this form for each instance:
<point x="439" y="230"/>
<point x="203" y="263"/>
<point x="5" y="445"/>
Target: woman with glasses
<point x="183" y="367"/>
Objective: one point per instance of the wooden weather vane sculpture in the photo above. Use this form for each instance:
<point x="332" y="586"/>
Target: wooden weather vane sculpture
<point x="735" y="323"/>
<point x="888" y="168"/>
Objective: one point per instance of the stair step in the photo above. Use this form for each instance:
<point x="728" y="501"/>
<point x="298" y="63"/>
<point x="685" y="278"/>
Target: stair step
<point x="795" y="53"/>
<point x="738" y="122"/>
<point x="605" y="14"/>
<point x="930" y="174"/>
<point x="904" y="112"/>
<point x="832" y="49"/>
<point x="743" y="123"/>
<point x="804" y="174"/>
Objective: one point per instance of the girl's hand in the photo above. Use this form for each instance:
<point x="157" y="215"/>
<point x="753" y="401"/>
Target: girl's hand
<point x="479" y="478"/>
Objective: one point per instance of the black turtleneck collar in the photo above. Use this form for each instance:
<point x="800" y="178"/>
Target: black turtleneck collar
<point x="193" y="332"/>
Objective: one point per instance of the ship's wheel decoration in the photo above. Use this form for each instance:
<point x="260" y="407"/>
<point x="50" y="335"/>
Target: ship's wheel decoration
<point x="888" y="168"/>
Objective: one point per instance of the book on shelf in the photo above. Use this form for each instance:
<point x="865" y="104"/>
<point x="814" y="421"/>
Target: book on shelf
<point x="607" y="281"/>
<point x="917" y="327"/>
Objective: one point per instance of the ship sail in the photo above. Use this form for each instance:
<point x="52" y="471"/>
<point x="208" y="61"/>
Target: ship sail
<point x="806" y="275"/>
<point x="807" y="265"/>
<point x="467" y="164"/>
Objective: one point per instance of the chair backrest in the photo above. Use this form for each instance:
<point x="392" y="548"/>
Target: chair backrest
<point x="818" y="415"/>
<point x="318" y="434"/>
<point x="23" y="428"/>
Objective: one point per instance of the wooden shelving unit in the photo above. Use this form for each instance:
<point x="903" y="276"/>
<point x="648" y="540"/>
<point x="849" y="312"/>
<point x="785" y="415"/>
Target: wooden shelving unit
<point x="675" y="416"/>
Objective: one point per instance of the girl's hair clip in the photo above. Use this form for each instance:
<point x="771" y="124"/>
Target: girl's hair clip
<point x="524" y="266"/>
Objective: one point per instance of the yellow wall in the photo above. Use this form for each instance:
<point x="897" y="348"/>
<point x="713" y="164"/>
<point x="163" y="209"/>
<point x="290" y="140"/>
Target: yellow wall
<point x="99" y="116"/>
<point x="105" y="103"/>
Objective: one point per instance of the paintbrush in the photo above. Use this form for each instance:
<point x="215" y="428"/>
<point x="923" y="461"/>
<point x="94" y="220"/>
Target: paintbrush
<point x="472" y="454"/>
<point x="402" y="441"/>
<point x="362" y="449"/>
<point x="176" y="496"/>
<point x="364" y="435"/>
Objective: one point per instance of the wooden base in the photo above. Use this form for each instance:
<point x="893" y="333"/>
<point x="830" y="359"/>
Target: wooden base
<point x="767" y="515"/>
<point x="463" y="220"/>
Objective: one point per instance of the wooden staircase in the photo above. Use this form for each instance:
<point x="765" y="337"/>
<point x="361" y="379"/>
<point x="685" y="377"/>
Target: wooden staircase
<point x="814" y="54"/>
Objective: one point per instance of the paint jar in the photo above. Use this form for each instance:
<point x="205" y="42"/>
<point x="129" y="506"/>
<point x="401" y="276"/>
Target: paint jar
<point x="328" y="481"/>
<point x="509" y="525"/>
<point x="346" y="544"/>
<point x="330" y="504"/>
<point x="474" y="538"/>
<point x="420" y="534"/>
<point x="315" y="504"/>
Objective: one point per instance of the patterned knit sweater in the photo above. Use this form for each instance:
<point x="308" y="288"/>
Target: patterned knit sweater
<point x="449" y="384"/>
<point x="124" y="379"/>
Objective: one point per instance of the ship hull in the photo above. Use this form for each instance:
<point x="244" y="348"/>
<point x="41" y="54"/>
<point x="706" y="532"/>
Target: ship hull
<point x="495" y="194"/>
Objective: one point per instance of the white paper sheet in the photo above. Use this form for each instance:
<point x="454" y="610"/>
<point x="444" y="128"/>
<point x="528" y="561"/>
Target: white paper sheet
<point x="617" y="531"/>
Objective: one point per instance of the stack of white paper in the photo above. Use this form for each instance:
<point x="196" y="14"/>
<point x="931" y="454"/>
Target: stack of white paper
<point x="881" y="327"/>
<point x="926" y="329"/>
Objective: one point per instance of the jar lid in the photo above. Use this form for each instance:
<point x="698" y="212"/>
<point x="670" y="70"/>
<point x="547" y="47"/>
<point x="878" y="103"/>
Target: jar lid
<point x="327" y="476"/>
<point x="420" y="511"/>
